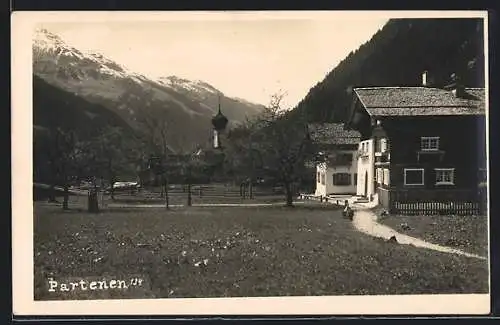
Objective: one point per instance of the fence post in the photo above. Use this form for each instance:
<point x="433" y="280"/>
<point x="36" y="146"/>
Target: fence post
<point x="189" y="200"/>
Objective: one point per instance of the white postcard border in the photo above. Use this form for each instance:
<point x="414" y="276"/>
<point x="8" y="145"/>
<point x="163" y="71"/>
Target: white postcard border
<point x="22" y="209"/>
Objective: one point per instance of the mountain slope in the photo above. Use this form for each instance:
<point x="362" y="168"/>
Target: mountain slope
<point x="188" y="106"/>
<point x="55" y="108"/>
<point x="396" y="56"/>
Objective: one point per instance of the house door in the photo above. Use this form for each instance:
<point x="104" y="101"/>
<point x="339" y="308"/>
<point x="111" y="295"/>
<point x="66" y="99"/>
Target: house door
<point x="366" y="183"/>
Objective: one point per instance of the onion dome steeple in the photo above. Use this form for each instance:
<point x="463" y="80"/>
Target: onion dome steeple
<point x="219" y="121"/>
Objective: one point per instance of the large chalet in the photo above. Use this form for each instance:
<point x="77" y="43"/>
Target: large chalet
<point x="422" y="148"/>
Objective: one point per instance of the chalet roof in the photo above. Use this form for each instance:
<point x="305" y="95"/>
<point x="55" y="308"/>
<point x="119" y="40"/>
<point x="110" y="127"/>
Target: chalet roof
<point x="415" y="101"/>
<point x="333" y="133"/>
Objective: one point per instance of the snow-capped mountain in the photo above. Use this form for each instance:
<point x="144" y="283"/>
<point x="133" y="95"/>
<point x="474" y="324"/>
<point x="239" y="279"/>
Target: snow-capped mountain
<point x="50" y="48"/>
<point x="188" y="104"/>
<point x="196" y="85"/>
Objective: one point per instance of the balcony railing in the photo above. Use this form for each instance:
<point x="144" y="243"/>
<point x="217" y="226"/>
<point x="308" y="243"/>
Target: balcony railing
<point x="381" y="153"/>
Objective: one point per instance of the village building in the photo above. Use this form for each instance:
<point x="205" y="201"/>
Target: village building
<point x="152" y="169"/>
<point x="337" y="171"/>
<point x="422" y="148"/>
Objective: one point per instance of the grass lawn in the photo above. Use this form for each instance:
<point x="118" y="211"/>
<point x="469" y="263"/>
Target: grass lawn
<point x="468" y="233"/>
<point x="270" y="251"/>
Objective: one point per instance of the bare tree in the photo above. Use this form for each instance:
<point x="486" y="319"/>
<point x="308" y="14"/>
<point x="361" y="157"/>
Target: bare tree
<point x="192" y="166"/>
<point x="278" y="146"/>
<point x="243" y="157"/>
<point x="105" y="151"/>
<point x="67" y="157"/>
<point x="156" y="133"/>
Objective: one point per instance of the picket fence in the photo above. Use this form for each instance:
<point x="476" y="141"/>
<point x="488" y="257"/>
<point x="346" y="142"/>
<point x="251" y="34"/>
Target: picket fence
<point x="437" y="202"/>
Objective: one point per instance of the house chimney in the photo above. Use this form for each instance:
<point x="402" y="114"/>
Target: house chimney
<point x="456" y="86"/>
<point x="427" y="79"/>
<point x="459" y="91"/>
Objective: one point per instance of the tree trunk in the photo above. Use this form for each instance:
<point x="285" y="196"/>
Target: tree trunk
<point x="188" y="179"/>
<point x="66" y="197"/>
<point x="112" y="189"/>
<point x="93" y="203"/>
<point x="165" y="185"/>
<point x="189" y="200"/>
<point x="289" y="195"/>
<point x="52" y="193"/>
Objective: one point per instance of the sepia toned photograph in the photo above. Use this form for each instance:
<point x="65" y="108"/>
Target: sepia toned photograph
<point x="252" y="155"/>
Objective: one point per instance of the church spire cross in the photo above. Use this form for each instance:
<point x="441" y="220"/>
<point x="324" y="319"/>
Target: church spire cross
<point x="219" y="112"/>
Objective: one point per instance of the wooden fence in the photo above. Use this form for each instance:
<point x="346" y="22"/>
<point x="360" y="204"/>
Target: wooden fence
<point x="434" y="202"/>
<point x="218" y="193"/>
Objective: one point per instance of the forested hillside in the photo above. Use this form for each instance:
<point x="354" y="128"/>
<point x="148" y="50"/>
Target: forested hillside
<point x="56" y="108"/>
<point x="64" y="123"/>
<point x="396" y="56"/>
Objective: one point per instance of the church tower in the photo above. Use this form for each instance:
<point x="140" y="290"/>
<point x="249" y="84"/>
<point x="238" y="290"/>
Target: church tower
<point x="219" y="123"/>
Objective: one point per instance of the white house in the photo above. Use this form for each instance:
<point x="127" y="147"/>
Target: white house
<point x="337" y="174"/>
<point x="366" y="172"/>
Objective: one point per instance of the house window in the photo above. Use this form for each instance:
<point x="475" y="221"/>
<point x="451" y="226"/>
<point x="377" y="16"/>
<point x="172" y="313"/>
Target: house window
<point x="414" y="176"/>
<point x="364" y="147"/>
<point x="355" y="179"/>
<point x="445" y="176"/>
<point x="429" y="143"/>
<point x="380" y="175"/>
<point x="383" y="145"/>
<point x="386" y="176"/>
<point x="318" y="177"/>
<point x="341" y="179"/>
<point x="322" y="179"/>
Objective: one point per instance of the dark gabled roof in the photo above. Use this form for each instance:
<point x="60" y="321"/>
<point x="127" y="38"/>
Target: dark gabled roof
<point x="333" y="133"/>
<point x="415" y="101"/>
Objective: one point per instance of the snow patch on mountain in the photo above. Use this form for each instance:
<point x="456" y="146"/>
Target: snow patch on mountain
<point x="195" y="86"/>
<point x="56" y="48"/>
<point x="46" y="42"/>
<point x="67" y="66"/>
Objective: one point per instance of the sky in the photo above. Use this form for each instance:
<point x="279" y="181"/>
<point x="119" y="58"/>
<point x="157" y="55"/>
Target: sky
<point x="251" y="57"/>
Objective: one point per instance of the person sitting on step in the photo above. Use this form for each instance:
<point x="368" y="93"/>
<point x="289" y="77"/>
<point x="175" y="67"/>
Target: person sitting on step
<point x="347" y="212"/>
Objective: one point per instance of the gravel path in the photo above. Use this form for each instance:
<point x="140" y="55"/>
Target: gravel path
<point x="365" y="221"/>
